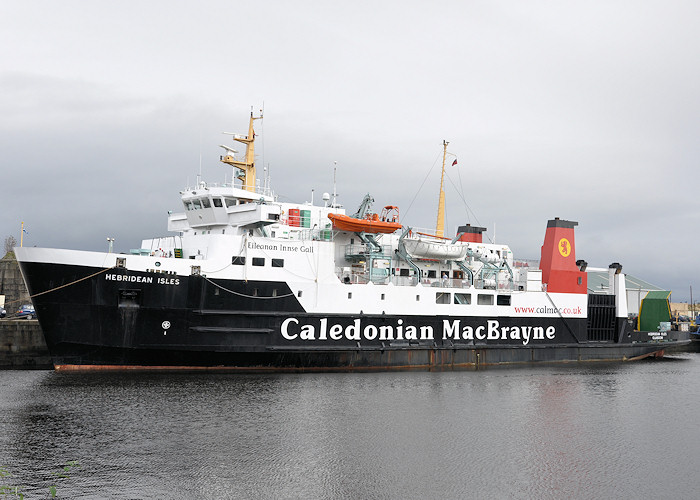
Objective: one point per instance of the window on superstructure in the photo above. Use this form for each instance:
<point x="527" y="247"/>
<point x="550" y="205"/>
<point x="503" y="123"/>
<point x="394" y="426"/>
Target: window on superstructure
<point x="217" y="203"/>
<point x="206" y="203"/>
<point x="231" y="202"/>
<point x="238" y="260"/>
<point x="404" y="272"/>
<point x="484" y="299"/>
<point x="503" y="300"/>
<point x="349" y="295"/>
<point x="277" y="262"/>
<point x="443" y="298"/>
<point x="431" y="274"/>
<point x="258" y="261"/>
<point x="463" y="298"/>
<point x="197" y="204"/>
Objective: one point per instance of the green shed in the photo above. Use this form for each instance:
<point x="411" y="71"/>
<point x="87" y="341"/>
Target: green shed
<point x="654" y="310"/>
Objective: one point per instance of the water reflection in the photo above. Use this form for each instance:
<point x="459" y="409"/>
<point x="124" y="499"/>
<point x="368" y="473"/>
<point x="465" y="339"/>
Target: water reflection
<point x="545" y="433"/>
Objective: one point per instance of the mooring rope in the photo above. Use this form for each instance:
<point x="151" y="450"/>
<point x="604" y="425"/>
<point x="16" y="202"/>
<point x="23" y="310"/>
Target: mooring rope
<point x="247" y="296"/>
<point x="64" y="286"/>
<point x="114" y="267"/>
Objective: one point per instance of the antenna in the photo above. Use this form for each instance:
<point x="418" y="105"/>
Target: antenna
<point x="335" y="168"/>
<point x="266" y="179"/>
<point x="200" y="158"/>
<point x="262" y="133"/>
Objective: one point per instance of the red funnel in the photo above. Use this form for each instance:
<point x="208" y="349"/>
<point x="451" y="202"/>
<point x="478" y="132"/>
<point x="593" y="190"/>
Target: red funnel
<point x="558" y="261"/>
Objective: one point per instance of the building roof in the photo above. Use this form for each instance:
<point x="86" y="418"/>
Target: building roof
<point x="598" y="281"/>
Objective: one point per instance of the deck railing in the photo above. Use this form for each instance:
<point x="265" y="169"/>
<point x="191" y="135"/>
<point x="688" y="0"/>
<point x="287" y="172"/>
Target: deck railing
<point x="364" y="277"/>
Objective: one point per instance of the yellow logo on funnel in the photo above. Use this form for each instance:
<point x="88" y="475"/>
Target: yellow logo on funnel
<point x="564" y="247"/>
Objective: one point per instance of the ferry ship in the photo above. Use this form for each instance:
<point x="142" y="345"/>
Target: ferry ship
<point x="248" y="283"/>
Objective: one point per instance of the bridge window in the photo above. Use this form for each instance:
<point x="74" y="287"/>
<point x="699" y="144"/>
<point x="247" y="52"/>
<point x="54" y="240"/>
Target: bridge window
<point x="206" y="203"/>
<point x="217" y="202"/>
<point x="238" y="260"/>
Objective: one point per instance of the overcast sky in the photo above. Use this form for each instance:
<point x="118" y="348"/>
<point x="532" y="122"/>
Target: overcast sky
<point x="583" y="110"/>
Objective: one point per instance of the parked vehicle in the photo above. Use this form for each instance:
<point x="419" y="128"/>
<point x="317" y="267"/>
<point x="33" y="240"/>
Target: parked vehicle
<point x="26" y="311"/>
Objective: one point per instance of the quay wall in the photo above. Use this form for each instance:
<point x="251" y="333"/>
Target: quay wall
<point x="22" y="344"/>
<point x="11" y="284"/>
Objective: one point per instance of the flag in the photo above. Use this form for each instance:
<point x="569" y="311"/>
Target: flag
<point x="454" y="163"/>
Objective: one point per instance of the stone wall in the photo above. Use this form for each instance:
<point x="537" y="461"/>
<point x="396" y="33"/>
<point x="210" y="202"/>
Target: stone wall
<point x="22" y="342"/>
<point x="22" y="345"/>
<point x="11" y="284"/>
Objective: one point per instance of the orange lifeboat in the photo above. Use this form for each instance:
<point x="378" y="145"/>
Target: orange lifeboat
<point x="388" y="222"/>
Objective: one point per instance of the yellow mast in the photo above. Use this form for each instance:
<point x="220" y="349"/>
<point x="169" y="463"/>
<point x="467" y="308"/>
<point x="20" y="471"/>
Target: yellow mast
<point x="440" y="226"/>
<point x="248" y="164"/>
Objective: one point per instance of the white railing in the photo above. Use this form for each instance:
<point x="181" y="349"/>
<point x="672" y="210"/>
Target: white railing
<point x="363" y="277"/>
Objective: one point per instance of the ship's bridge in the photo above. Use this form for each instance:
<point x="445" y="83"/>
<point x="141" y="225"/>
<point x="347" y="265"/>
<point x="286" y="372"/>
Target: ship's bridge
<point x="212" y="205"/>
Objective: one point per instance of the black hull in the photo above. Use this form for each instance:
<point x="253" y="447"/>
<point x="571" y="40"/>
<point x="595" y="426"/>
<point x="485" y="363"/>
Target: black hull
<point x="120" y="319"/>
<point x="86" y="358"/>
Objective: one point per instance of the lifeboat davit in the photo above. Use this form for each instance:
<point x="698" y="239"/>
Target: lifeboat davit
<point x="371" y="223"/>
